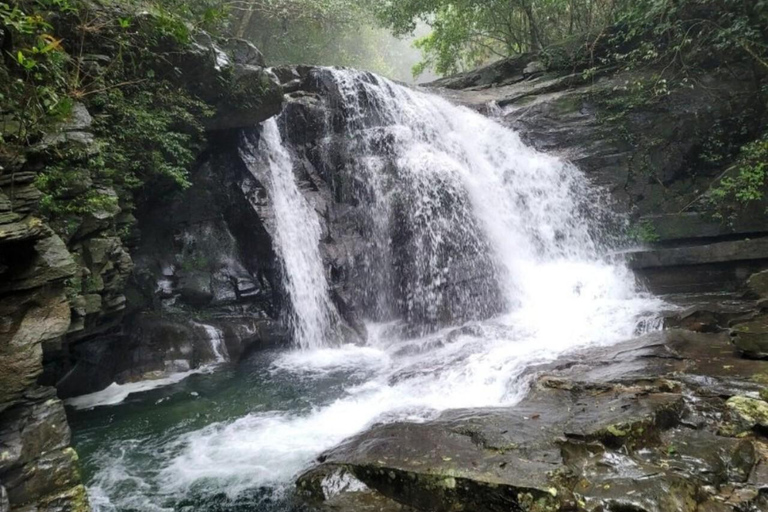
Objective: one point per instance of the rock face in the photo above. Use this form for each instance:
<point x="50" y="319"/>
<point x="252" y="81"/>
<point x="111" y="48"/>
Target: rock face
<point x="204" y="266"/>
<point x="104" y="286"/>
<point x="38" y="469"/>
<point x="65" y="289"/>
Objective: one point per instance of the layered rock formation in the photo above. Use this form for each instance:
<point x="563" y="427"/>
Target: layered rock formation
<point x="63" y="298"/>
<point x="37" y="466"/>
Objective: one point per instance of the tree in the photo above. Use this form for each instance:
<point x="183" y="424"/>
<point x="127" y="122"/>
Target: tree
<point x="466" y="33"/>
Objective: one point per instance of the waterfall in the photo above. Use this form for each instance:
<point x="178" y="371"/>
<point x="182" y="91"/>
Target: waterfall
<point x="492" y="250"/>
<point x="296" y="233"/>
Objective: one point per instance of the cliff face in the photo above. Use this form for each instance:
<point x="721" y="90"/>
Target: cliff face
<point x="37" y="466"/>
<point x="64" y="286"/>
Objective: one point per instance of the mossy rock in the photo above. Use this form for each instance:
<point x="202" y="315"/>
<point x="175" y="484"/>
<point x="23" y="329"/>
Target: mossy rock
<point x="746" y="414"/>
<point x="758" y="284"/>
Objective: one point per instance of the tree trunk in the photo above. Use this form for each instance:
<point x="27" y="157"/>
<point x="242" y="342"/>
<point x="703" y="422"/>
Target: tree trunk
<point x="533" y="29"/>
<point x="245" y="20"/>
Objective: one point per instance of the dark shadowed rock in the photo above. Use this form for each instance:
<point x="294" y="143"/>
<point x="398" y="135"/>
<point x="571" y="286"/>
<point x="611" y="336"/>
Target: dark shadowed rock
<point x="751" y="336"/>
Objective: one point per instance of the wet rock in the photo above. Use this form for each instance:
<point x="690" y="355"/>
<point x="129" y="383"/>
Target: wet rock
<point x="648" y="410"/>
<point x="499" y="459"/>
<point x="617" y="489"/>
<point x="195" y="288"/>
<point x="751" y="337"/>
<point x="708" y="312"/>
<point x="363" y="501"/>
<point x="687" y="226"/>
<point x="38" y="468"/>
<point x="51" y="472"/>
<point x="752" y="249"/>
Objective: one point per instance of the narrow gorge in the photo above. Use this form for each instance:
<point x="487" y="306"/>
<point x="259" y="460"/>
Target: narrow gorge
<point x="490" y="293"/>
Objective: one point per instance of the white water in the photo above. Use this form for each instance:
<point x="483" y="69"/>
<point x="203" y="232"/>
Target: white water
<point x="296" y="235"/>
<point x="464" y="181"/>
<point x="116" y="393"/>
<point x="216" y="338"/>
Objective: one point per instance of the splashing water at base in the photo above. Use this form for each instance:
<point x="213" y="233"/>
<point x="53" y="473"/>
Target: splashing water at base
<point x="240" y="437"/>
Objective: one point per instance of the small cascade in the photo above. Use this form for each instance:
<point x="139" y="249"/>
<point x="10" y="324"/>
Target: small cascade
<point x="296" y="235"/>
<point x="216" y="337"/>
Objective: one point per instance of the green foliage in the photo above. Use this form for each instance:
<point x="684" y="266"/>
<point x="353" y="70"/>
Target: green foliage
<point x="466" y="33"/>
<point x="147" y="140"/>
<point x="685" y="34"/>
<point x="35" y="90"/>
<point x="583" y="33"/>
<point x="147" y="131"/>
<point x="154" y="134"/>
<point x="746" y="182"/>
<point x="644" y="232"/>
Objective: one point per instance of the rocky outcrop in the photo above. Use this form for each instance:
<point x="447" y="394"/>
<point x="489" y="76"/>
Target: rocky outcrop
<point x="670" y="421"/>
<point x="105" y="242"/>
<point x="204" y="264"/>
<point x="646" y="148"/>
<point x="38" y="469"/>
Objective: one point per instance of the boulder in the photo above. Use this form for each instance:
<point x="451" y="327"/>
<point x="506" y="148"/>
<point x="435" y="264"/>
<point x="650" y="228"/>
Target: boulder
<point x="242" y="91"/>
<point x="758" y="284"/>
<point x="751" y="337"/>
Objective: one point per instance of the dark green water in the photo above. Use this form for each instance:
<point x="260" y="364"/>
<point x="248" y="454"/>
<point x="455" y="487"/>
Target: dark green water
<point x="126" y="449"/>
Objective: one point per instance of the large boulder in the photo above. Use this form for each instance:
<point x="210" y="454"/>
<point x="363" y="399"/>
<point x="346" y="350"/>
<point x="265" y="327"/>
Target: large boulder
<point x="231" y="77"/>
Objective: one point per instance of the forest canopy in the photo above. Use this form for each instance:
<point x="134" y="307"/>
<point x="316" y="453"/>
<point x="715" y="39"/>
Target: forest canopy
<point x="468" y="33"/>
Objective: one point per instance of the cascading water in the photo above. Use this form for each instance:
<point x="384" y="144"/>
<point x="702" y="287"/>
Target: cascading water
<point x="465" y="225"/>
<point x="216" y="338"/>
<point x="296" y="234"/>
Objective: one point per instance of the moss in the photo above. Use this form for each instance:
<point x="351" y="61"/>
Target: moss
<point x="749" y="411"/>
